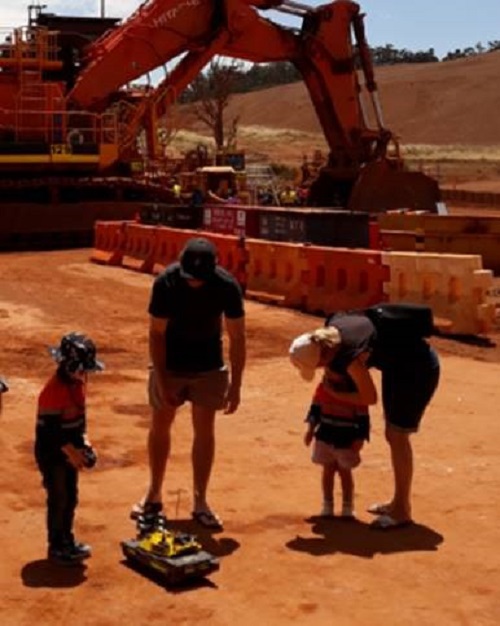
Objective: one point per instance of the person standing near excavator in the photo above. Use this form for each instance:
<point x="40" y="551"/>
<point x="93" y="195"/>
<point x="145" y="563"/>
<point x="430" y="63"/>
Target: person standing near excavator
<point x="188" y="302"/>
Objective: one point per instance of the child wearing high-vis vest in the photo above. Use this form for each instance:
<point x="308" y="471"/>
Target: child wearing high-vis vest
<point x="61" y="445"/>
<point x="337" y="427"/>
<point x="339" y="431"/>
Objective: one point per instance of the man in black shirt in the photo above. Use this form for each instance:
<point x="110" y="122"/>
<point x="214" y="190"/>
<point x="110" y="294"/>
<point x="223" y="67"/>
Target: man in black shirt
<point x="189" y="301"/>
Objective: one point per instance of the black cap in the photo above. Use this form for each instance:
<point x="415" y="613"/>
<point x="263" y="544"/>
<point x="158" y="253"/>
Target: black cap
<point x="198" y="259"/>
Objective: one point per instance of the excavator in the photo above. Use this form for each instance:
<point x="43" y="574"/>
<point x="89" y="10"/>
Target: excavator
<point x="71" y="113"/>
<point x="364" y="172"/>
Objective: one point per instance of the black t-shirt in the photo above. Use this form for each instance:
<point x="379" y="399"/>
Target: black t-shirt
<point x="194" y="331"/>
<point x="358" y="335"/>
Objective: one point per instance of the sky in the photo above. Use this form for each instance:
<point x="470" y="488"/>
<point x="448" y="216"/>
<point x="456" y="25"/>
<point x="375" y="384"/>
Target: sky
<point x="444" y="25"/>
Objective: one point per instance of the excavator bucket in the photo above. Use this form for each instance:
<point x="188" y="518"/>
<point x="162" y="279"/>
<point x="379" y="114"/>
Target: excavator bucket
<point x="383" y="187"/>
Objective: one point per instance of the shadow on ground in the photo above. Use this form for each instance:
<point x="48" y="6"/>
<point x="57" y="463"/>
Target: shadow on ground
<point x="359" y="539"/>
<point x="43" y="573"/>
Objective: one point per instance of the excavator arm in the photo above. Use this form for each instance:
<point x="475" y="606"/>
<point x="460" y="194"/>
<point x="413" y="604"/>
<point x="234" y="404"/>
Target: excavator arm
<point x="327" y="50"/>
<point x="159" y="31"/>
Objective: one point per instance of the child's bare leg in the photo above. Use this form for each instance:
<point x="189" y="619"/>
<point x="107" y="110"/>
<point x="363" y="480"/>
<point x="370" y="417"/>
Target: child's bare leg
<point x="347" y="482"/>
<point x="328" y="480"/>
<point x="327" y="483"/>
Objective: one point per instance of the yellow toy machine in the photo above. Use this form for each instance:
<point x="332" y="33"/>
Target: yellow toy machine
<point x="175" y="556"/>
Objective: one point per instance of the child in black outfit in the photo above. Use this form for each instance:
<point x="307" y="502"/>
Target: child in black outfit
<point x="61" y="445"/>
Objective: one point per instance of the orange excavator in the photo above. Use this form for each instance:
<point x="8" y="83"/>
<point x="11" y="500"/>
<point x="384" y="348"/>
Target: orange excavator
<point x="69" y="120"/>
<point x="364" y="172"/>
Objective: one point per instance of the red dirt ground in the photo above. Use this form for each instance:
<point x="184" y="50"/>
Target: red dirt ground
<point x="277" y="566"/>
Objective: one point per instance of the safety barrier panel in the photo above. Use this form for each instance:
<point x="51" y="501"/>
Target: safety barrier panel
<point x="139" y="247"/>
<point x="464" y="196"/>
<point x="232" y="256"/>
<point x="320" y="280"/>
<point x="456" y="287"/>
<point x="315" y="279"/>
<point x="341" y="279"/>
<point x="450" y="234"/>
<point x="109" y="238"/>
<point x="275" y="272"/>
<point x="169" y="243"/>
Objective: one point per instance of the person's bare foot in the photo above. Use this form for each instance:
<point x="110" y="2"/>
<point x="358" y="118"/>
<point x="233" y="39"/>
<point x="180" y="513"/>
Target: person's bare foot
<point x="384" y="508"/>
<point x="387" y="522"/>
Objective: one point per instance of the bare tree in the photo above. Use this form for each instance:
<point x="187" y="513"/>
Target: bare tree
<point x="211" y="92"/>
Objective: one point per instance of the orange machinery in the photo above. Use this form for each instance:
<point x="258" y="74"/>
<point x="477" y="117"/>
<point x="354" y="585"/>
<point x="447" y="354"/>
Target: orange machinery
<point x="364" y="169"/>
<point x="61" y="167"/>
<point x="39" y="134"/>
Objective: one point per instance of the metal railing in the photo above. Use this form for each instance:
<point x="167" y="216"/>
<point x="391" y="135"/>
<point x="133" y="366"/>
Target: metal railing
<point x="74" y="130"/>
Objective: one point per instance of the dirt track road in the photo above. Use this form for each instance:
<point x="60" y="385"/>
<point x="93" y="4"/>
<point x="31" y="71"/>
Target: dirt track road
<point x="277" y="566"/>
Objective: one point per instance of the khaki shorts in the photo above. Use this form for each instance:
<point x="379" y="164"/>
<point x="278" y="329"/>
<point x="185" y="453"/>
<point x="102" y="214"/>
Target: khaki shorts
<point x="206" y="389"/>
<point x="326" y="454"/>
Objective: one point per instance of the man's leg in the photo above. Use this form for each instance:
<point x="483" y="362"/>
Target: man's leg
<point x="159" y="449"/>
<point x="402" y="465"/>
<point x="202" y="455"/>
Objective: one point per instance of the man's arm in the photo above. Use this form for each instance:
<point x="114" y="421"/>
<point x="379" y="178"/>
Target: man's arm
<point x="158" y="352"/>
<point x="237" y="356"/>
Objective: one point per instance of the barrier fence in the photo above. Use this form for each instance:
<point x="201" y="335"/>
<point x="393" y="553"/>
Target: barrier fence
<point x="450" y="234"/>
<point x="465" y="196"/>
<point x="319" y="280"/>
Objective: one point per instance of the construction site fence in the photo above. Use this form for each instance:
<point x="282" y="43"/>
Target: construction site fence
<point x="465" y="196"/>
<point x="450" y="234"/>
<point x="325" y="227"/>
<point x="319" y="280"/>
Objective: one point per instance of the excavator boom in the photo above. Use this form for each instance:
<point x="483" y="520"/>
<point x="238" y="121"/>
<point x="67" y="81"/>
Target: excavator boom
<point x="156" y="33"/>
<point x="329" y="50"/>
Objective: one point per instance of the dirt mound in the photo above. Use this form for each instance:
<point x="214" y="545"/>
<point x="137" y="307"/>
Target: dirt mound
<point x="447" y="103"/>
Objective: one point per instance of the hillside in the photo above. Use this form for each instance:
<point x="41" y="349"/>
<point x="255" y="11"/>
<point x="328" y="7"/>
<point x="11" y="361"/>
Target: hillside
<point x="452" y="103"/>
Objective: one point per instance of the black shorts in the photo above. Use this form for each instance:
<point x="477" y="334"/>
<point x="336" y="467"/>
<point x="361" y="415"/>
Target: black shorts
<point x="342" y="432"/>
<point x="407" y="389"/>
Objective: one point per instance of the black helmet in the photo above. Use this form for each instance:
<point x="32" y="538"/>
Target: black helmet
<point x="77" y="352"/>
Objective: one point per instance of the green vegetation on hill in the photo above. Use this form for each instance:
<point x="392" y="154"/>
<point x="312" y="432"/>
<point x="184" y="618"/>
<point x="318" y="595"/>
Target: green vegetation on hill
<point x="265" y="75"/>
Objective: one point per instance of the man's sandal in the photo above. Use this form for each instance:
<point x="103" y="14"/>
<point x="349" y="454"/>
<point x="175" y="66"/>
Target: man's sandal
<point x="207" y="519"/>
<point x="386" y="522"/>
<point x="379" y="509"/>
<point x="143" y="508"/>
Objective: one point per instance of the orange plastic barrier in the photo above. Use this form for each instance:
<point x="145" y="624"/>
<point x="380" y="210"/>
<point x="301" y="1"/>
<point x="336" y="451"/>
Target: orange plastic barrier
<point x="275" y="272"/>
<point x="455" y="286"/>
<point x="139" y="247"/>
<point x="109" y="239"/>
<point x="232" y="255"/>
<point x="169" y="243"/>
<point x="340" y="279"/>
